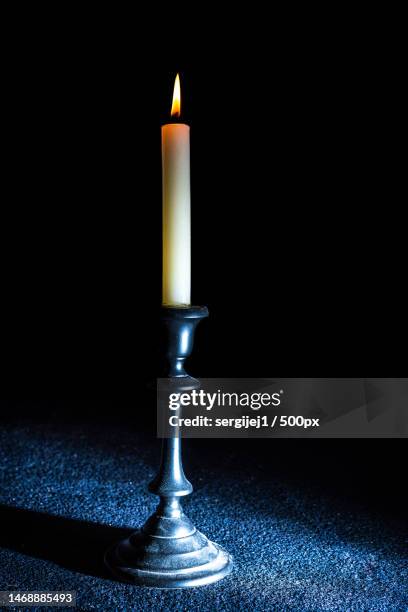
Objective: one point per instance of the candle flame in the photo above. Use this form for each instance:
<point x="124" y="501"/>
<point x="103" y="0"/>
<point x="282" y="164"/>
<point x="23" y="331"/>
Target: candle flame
<point x="176" y="105"/>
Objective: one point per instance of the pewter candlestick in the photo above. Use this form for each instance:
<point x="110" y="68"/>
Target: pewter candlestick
<point x="168" y="551"/>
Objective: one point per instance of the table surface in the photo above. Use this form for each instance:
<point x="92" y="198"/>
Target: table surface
<point x="68" y="491"/>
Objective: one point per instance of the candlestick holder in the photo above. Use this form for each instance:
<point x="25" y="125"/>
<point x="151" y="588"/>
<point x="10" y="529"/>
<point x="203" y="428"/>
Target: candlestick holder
<point x="168" y="551"/>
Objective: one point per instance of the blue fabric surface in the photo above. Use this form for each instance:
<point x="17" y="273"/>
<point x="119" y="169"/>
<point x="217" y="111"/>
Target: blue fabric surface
<point x="68" y="492"/>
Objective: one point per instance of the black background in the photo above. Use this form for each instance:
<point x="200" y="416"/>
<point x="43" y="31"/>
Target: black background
<point x="297" y="236"/>
<point x="296" y="247"/>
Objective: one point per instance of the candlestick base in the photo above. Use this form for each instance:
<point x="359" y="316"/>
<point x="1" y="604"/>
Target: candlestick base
<point x="169" y="552"/>
<point x="173" y="561"/>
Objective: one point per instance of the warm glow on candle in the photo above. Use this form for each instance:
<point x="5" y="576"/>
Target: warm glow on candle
<point x="176" y="106"/>
<point x="176" y="208"/>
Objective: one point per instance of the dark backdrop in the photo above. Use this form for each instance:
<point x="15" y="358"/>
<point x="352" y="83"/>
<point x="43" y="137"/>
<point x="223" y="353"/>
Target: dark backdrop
<point x="296" y="242"/>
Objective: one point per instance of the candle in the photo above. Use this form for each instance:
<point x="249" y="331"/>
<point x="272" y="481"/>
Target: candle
<point x="176" y="208"/>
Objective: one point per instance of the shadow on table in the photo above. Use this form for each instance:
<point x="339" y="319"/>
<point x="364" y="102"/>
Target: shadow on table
<point x="75" y="545"/>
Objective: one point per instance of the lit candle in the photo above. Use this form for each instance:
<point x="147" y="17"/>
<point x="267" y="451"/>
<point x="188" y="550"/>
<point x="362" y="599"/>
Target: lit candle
<point x="176" y="208"/>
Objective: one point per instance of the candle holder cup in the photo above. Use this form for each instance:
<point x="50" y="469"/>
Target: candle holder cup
<point x="168" y="551"/>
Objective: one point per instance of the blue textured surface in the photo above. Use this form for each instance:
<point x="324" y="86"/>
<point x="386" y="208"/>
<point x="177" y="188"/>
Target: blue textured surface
<point x="295" y="547"/>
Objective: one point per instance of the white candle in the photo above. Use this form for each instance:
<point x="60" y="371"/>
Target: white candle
<point x="176" y="209"/>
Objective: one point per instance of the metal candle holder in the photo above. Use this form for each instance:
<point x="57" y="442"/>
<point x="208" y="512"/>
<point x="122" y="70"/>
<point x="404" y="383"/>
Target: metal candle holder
<point x="168" y="551"/>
